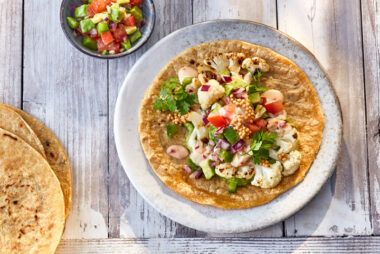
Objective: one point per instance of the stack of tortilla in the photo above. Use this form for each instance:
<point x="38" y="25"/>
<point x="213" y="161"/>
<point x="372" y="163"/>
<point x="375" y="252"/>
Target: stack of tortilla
<point x="35" y="184"/>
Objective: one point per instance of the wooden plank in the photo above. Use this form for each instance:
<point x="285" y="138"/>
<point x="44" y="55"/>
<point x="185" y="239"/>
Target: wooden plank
<point x="264" y="12"/>
<point x="11" y="52"/>
<point x="66" y="90"/>
<point x="332" y="31"/>
<point x="222" y="245"/>
<point x="129" y="214"/>
<point x="371" y="42"/>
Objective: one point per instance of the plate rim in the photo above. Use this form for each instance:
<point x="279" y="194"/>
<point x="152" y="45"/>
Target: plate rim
<point x="281" y="216"/>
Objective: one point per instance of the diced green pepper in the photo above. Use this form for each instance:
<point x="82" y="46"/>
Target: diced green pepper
<point x="254" y="98"/>
<point x="86" y="25"/>
<point x="130" y="29"/>
<point x="136" y="11"/>
<point x="81" y="11"/>
<point x="226" y="156"/>
<point x="234" y="84"/>
<point x="171" y="129"/>
<point x="231" y="135"/>
<point x="90" y="43"/>
<point x="232" y="186"/>
<point x="116" y="15"/>
<point x="105" y="52"/>
<point x="192" y="164"/>
<point x="187" y="81"/>
<point x="208" y="171"/>
<point x="135" y="36"/>
<point x="126" y="44"/>
<point x="102" y="27"/>
<point x="73" y="23"/>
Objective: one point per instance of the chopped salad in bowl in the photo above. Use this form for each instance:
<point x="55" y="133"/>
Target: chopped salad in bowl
<point x="107" y="26"/>
<point x="237" y="129"/>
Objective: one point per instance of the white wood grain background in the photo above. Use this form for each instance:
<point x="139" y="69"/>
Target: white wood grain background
<point x="75" y="96"/>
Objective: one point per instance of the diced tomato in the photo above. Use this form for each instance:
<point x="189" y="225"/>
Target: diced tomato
<point x="217" y="120"/>
<point x="99" y="5"/>
<point x="274" y="107"/>
<point x="107" y="37"/>
<point x="112" y="46"/>
<point x="261" y="123"/>
<point x="90" y="11"/>
<point x="120" y="34"/>
<point x="129" y="20"/>
<point x="253" y="127"/>
<point x="136" y="2"/>
<point x="228" y="111"/>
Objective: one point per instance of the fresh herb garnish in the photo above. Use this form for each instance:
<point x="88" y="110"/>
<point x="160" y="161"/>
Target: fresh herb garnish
<point x="262" y="141"/>
<point x="174" y="98"/>
<point x="254" y="87"/>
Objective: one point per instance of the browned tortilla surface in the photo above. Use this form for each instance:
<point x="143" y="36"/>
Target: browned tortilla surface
<point x="301" y="104"/>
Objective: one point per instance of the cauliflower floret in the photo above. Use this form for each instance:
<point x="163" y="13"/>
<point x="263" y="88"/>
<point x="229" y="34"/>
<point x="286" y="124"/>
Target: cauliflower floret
<point x="292" y="163"/>
<point x="214" y="93"/>
<point x="218" y="62"/>
<point x="252" y="64"/>
<point x="248" y="78"/>
<point x="235" y="60"/>
<point x="226" y="170"/>
<point x="267" y="177"/>
<point x="240" y="159"/>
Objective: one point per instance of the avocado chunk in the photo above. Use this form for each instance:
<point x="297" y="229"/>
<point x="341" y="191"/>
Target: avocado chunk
<point x="208" y="171"/>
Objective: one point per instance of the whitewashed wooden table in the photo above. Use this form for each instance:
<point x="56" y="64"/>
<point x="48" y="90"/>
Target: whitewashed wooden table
<point x="75" y="96"/>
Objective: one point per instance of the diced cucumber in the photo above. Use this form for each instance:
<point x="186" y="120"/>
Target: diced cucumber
<point x="90" y="43"/>
<point x="81" y="11"/>
<point x="73" y="23"/>
<point x="226" y="156"/>
<point x="208" y="171"/>
<point x="254" y="98"/>
<point x="86" y="25"/>
<point x="192" y="164"/>
<point x="126" y="44"/>
<point x="234" y="84"/>
<point x="102" y="27"/>
<point x="135" y="36"/>
<point x="231" y="135"/>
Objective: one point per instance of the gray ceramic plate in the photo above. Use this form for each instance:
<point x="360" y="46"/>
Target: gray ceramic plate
<point x="67" y="10"/>
<point x="207" y="218"/>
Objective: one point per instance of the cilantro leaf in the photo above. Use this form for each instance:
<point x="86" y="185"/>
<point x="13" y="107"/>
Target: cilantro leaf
<point x="173" y="97"/>
<point x="262" y="142"/>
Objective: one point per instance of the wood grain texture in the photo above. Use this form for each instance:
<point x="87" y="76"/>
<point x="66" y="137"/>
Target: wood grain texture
<point x="67" y="91"/>
<point x="259" y="11"/>
<point x="11" y="52"/>
<point x="129" y="214"/>
<point x="332" y="31"/>
<point x="226" y="245"/>
<point x="371" y="42"/>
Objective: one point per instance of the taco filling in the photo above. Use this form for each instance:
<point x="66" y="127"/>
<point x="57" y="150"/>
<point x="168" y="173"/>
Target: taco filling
<point x="236" y="128"/>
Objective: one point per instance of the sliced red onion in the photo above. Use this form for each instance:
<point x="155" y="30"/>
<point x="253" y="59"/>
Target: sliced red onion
<point x="213" y="163"/>
<point x="205" y="88"/>
<point x="205" y="120"/>
<point x="187" y="168"/>
<point x="215" y="76"/>
<point x="226" y="79"/>
<point x="238" y="145"/>
<point x="223" y="143"/>
<point x="106" y="19"/>
<point x="196" y="174"/>
<point x="197" y="147"/>
<point x="282" y="124"/>
<point x="142" y="23"/>
<point x="219" y="131"/>
<point x="112" y="26"/>
<point x="240" y="93"/>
